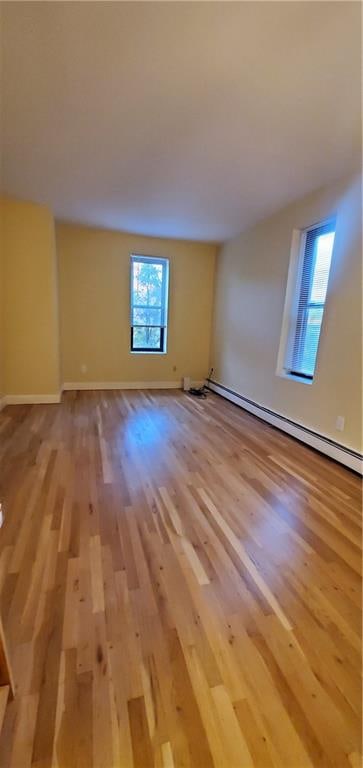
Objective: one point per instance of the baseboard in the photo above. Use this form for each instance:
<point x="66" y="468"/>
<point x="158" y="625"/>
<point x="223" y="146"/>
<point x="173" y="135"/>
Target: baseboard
<point x="326" y="445"/>
<point x="2" y="403"/>
<point x="85" y="385"/>
<point x="31" y="399"/>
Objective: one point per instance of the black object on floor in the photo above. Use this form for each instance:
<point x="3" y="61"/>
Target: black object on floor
<point x="198" y="392"/>
<point x="201" y="391"/>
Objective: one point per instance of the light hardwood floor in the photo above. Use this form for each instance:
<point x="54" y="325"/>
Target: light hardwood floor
<point x="180" y="586"/>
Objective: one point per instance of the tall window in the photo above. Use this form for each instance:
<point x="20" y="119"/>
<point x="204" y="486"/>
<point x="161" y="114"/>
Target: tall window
<point x="149" y="303"/>
<point x="317" y="248"/>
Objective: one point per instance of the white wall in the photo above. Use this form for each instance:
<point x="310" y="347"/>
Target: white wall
<point x="250" y="290"/>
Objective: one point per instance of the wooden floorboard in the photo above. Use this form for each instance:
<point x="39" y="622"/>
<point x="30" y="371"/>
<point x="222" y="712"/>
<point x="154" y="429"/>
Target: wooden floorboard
<point x="4" y="696"/>
<point x="180" y="586"/>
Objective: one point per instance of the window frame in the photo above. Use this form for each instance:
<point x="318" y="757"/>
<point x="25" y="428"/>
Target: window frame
<point x="293" y="302"/>
<point x="161" y="349"/>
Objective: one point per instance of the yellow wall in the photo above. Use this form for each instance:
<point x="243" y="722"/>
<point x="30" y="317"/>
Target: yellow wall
<point x="250" y="290"/>
<point x="94" y="269"/>
<point x="30" y="314"/>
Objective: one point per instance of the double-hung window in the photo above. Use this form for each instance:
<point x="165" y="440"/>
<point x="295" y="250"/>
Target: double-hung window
<point x="149" y="303"/>
<point x="309" y="300"/>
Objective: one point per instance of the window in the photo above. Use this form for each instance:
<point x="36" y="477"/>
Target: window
<point x="309" y="300"/>
<point x="149" y="303"/>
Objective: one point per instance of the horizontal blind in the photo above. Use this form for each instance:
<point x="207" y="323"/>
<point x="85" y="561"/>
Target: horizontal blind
<point x="312" y="288"/>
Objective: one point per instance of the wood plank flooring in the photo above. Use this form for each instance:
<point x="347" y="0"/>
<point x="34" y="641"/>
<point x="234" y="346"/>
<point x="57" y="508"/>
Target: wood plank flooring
<point x="180" y="586"/>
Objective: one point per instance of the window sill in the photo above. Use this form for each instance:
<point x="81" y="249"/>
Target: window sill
<point x="143" y="352"/>
<point x="292" y="377"/>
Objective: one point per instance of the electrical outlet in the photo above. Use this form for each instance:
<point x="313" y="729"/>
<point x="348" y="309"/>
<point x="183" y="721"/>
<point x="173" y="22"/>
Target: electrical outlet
<point x="340" y="422"/>
<point x="83" y="368"/>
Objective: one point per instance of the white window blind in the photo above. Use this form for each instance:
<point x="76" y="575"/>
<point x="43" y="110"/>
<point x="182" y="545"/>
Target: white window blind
<point x="317" y="249"/>
<point x="149" y="303"/>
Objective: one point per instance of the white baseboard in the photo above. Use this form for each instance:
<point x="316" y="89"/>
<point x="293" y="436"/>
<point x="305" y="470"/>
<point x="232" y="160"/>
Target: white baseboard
<point x="340" y="453"/>
<point x="31" y="399"/>
<point x="85" y="385"/>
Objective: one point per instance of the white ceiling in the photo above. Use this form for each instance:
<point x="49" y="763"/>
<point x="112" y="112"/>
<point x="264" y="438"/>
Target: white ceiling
<point x="189" y="120"/>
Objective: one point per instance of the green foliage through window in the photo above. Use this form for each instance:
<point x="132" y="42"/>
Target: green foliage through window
<point x="149" y="292"/>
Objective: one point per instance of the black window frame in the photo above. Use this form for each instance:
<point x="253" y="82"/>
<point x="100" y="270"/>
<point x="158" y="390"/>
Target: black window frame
<point x="305" y="304"/>
<point x="161" y="347"/>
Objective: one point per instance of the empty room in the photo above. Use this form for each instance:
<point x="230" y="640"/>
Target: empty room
<point x="180" y="384"/>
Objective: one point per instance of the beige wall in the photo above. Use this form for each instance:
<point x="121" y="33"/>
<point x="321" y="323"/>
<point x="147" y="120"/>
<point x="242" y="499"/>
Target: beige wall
<point x="30" y="314"/>
<point x="250" y="289"/>
<point x="94" y="307"/>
